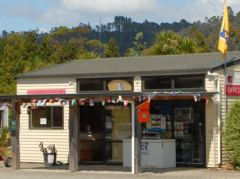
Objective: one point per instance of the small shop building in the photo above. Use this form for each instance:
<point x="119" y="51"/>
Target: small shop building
<point x="96" y="101"/>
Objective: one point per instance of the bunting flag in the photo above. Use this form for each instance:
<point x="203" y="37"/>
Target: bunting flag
<point x="224" y="32"/>
<point x="91" y="102"/>
<point x="74" y="102"/>
<point x="125" y="103"/>
<point x="120" y="99"/>
<point x="103" y="103"/>
<point x="81" y="102"/>
<point x="51" y="101"/>
<point x="195" y="98"/>
<point x="143" y="111"/>
<point x="108" y="99"/>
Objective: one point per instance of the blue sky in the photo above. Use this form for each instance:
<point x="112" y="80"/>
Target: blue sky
<point x="21" y="15"/>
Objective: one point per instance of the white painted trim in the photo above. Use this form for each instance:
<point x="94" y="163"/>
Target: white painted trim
<point x="219" y="102"/>
<point x="133" y="136"/>
<point x="219" y="118"/>
<point x="4" y="116"/>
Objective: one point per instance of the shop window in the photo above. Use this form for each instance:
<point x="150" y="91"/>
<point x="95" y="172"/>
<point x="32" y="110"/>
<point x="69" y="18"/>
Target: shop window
<point x="189" y="82"/>
<point x="46" y="117"/>
<point x="173" y="82"/>
<point x="90" y="85"/>
<point x="108" y="84"/>
<point x="151" y="83"/>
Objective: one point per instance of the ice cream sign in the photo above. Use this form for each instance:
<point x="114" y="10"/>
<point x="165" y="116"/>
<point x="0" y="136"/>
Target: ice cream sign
<point x="233" y="85"/>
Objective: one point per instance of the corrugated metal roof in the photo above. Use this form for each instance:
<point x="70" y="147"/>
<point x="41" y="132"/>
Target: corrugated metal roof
<point x="130" y="66"/>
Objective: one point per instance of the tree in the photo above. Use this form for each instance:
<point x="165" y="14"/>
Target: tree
<point x="64" y="52"/>
<point x="96" y="47"/>
<point x="46" y="48"/>
<point x="4" y="33"/>
<point x="30" y="46"/>
<point x="169" y="42"/>
<point x="199" y="38"/>
<point x="111" y="49"/>
<point x="139" y="46"/>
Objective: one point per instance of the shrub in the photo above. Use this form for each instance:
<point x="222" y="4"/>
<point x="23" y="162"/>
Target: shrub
<point x="5" y="142"/>
<point x="231" y="135"/>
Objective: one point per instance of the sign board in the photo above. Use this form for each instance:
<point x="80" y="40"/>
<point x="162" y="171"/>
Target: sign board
<point x="233" y="85"/>
<point x="43" y="121"/>
<point x="143" y="112"/>
<point x="46" y="91"/>
<point x="119" y="85"/>
<point x="145" y="148"/>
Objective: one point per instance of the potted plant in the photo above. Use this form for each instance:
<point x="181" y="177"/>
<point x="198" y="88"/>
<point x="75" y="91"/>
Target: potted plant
<point x="5" y="147"/>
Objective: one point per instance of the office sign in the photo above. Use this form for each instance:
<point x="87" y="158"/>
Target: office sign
<point x="233" y="85"/>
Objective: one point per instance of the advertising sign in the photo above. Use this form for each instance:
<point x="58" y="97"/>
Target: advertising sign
<point x="43" y="121"/>
<point x="119" y="85"/>
<point x="145" y="148"/>
<point x="233" y="85"/>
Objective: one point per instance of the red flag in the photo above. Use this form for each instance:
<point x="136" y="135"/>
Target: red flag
<point x="143" y="111"/>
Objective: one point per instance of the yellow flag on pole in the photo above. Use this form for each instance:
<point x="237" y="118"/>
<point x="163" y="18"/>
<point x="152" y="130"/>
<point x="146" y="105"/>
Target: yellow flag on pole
<point x="224" y="32"/>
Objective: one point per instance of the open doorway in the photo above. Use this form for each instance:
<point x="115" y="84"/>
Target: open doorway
<point x="186" y="121"/>
<point x="102" y="131"/>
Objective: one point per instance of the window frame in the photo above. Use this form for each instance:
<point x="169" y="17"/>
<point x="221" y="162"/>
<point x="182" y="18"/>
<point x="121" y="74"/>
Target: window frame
<point x="51" y="124"/>
<point x="101" y="79"/>
<point x="104" y="83"/>
<point x="185" y="76"/>
<point x="161" y="89"/>
<point x="173" y="78"/>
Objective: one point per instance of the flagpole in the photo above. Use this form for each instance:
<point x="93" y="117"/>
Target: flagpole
<point x="223" y="47"/>
<point x="225" y="75"/>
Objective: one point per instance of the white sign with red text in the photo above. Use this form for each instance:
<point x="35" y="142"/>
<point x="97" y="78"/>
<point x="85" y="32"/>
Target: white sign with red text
<point x="233" y="85"/>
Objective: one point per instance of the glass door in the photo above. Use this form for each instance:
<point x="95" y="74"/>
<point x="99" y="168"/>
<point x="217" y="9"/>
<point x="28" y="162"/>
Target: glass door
<point x="189" y="134"/>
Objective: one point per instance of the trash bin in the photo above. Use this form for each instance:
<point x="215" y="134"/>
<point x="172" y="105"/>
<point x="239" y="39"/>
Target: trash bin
<point x="49" y="159"/>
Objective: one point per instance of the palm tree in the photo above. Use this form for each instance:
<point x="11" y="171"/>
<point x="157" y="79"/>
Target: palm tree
<point x="169" y="42"/>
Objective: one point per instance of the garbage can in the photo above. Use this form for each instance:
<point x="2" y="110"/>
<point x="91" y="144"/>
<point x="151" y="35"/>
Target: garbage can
<point x="49" y="159"/>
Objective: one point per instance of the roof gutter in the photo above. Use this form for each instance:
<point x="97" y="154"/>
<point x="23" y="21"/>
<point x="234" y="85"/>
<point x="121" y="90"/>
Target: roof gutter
<point x="113" y="94"/>
<point x="120" y="74"/>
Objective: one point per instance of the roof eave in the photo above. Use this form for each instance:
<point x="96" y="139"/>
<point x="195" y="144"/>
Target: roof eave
<point x="123" y="74"/>
<point x="229" y="64"/>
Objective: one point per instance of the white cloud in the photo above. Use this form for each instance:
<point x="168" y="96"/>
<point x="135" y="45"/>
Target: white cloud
<point x="109" y="6"/>
<point x="75" y="11"/>
<point x="72" y="12"/>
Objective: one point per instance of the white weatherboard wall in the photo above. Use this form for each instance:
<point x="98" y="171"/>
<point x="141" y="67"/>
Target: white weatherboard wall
<point x="30" y="138"/>
<point x="212" y="130"/>
<point x="213" y="147"/>
<point x="230" y="101"/>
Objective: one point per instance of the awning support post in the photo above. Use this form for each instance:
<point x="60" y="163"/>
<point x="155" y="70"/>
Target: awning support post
<point x="73" y="138"/>
<point x="135" y="142"/>
<point x="15" y="123"/>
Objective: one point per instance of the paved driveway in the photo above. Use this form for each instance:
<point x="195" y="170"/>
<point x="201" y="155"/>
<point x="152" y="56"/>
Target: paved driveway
<point x="90" y="174"/>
